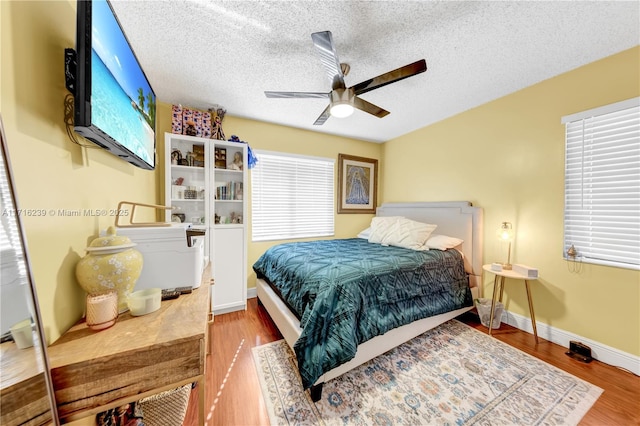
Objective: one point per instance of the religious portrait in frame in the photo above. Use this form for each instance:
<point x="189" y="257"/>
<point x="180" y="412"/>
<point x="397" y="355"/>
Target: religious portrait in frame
<point x="357" y="184"/>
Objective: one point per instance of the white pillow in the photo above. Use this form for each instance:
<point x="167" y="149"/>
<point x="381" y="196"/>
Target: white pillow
<point x="443" y="242"/>
<point x="382" y="228"/>
<point x="401" y="232"/>
<point x="365" y="233"/>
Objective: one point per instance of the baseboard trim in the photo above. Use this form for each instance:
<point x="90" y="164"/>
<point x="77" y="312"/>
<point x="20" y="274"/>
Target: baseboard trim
<point x="252" y="292"/>
<point x="599" y="351"/>
<point x="219" y="310"/>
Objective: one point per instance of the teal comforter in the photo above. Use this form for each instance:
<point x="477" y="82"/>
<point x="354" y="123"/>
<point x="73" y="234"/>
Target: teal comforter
<point x="347" y="291"/>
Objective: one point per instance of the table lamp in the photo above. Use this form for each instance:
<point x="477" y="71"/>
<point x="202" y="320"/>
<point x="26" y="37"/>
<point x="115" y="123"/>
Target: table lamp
<point x="505" y="234"/>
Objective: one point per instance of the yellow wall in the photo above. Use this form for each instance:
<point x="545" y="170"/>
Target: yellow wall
<point x="52" y="173"/>
<point x="507" y="157"/>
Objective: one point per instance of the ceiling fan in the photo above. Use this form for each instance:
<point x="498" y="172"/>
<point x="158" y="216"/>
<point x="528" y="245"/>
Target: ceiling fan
<point x="342" y="99"/>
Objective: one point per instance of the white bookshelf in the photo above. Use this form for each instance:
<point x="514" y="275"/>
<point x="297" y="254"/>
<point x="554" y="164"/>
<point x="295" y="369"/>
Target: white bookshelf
<point x="204" y="190"/>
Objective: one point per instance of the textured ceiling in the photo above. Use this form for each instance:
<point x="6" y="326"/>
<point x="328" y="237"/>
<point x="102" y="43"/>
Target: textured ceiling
<point x="201" y="53"/>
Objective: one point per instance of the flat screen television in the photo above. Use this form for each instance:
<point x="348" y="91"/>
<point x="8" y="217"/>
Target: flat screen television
<point x="115" y="106"/>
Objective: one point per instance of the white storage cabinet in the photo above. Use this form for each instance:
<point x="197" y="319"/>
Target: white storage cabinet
<point x="206" y="189"/>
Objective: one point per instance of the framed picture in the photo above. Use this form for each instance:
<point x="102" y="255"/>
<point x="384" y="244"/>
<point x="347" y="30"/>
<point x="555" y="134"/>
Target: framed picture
<point x="220" y="158"/>
<point x="357" y="184"/>
<point x="198" y="155"/>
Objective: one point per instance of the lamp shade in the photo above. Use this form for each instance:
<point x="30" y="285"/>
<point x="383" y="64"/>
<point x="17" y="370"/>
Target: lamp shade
<point x="505" y="232"/>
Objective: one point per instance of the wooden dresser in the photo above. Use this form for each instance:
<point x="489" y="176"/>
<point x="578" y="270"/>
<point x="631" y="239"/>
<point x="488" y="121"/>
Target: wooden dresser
<point x="23" y="390"/>
<point x="137" y="357"/>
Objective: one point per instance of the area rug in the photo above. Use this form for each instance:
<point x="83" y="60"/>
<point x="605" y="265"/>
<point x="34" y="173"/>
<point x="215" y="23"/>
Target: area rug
<point x="451" y="375"/>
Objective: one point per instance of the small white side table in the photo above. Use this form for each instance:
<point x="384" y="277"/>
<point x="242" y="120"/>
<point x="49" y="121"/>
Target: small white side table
<point x="499" y="282"/>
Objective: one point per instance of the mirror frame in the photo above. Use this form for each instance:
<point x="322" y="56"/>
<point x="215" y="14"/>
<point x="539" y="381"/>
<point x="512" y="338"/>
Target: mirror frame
<point x="41" y="338"/>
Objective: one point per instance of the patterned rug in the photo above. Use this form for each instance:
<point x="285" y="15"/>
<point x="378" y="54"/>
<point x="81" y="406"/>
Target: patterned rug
<point x="451" y="375"/>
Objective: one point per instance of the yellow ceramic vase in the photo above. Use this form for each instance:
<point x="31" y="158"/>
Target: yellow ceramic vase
<point x="111" y="263"/>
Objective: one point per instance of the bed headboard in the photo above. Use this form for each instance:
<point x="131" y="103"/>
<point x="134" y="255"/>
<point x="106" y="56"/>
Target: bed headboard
<point x="456" y="219"/>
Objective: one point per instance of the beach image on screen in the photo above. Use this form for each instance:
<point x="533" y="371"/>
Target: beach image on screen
<point x="122" y="101"/>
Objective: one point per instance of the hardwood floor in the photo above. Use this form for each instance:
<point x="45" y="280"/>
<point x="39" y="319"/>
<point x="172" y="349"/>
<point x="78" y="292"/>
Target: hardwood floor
<point x="233" y="396"/>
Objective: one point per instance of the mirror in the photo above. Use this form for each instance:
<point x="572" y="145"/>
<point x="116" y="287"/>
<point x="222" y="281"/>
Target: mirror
<point x="26" y="391"/>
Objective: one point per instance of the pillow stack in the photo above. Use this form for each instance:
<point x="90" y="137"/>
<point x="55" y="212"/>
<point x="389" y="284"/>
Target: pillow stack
<point x="400" y="232"/>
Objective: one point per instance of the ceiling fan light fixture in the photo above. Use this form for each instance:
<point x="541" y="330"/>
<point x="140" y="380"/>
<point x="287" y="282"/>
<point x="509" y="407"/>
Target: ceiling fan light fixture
<point x="341" y="103"/>
<point x="341" y="110"/>
<point x="342" y="99"/>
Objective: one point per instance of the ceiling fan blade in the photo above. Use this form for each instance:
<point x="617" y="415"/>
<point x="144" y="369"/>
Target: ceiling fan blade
<point x="296" y="94"/>
<point x="390" y="77"/>
<point x="323" y="41"/>
<point x="323" y="117"/>
<point x="368" y="107"/>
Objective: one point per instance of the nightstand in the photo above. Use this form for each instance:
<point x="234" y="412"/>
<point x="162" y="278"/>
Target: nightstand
<point x="498" y="282"/>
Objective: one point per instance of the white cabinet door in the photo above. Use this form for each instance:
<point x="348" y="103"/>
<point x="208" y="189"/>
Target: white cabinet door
<point x="230" y="288"/>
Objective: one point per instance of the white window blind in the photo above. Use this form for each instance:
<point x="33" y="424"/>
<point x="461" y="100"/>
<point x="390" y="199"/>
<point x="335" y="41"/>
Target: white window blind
<point x="12" y="266"/>
<point x="291" y="196"/>
<point x="602" y="184"/>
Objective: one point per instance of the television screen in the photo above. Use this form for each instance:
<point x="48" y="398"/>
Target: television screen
<point x="115" y="106"/>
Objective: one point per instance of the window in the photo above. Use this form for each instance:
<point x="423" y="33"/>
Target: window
<point x="10" y="243"/>
<point x="602" y="184"/>
<point x="292" y="196"/>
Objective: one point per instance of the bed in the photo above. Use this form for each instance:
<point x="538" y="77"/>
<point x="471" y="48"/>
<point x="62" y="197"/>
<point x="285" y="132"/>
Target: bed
<point x="343" y="352"/>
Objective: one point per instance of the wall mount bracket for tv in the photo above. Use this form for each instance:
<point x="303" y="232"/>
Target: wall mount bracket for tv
<point x="70" y="64"/>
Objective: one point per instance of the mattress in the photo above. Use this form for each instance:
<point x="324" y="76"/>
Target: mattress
<point x="347" y="291"/>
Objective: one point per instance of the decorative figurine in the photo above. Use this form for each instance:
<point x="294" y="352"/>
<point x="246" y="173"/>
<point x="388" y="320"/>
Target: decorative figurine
<point x="176" y="156"/>
<point x="251" y="158"/>
<point x="217" y="117"/>
<point x="190" y="129"/>
<point x="237" y="161"/>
